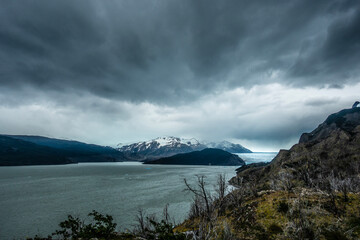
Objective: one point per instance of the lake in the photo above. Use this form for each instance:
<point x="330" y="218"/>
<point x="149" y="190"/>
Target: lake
<point x="34" y="199"/>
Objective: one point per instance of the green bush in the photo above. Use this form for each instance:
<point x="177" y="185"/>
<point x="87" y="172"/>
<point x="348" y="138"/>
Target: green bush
<point x="101" y="227"/>
<point x="163" y="231"/>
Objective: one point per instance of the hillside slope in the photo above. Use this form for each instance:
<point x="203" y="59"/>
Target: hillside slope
<point x="208" y="156"/>
<point x="52" y="150"/>
<point x="16" y="152"/>
<point x="332" y="148"/>
<point x="311" y="191"/>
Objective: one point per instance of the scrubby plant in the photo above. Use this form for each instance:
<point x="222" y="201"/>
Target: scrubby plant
<point x="148" y="227"/>
<point x="283" y="207"/>
<point x="163" y="231"/>
<point x="334" y="235"/>
<point x="274" y="229"/>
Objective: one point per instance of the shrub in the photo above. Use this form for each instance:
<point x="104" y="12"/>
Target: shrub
<point x="334" y="235"/>
<point x="164" y="231"/>
<point x="274" y="229"/>
<point x="101" y="227"/>
<point x="283" y="207"/>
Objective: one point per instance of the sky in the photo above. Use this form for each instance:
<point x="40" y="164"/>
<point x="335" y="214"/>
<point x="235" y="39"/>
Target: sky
<point x="258" y="73"/>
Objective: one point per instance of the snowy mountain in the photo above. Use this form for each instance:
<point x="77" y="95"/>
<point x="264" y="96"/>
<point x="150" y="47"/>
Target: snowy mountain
<point x="169" y="146"/>
<point x="228" y="146"/>
<point x="160" y="147"/>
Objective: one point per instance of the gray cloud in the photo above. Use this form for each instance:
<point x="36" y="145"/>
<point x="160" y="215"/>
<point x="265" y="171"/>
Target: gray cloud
<point x="336" y="58"/>
<point x="321" y="101"/>
<point x="109" y="60"/>
<point x="174" y="51"/>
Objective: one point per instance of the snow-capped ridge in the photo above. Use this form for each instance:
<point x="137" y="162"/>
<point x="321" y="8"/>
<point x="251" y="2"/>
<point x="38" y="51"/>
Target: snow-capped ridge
<point x="228" y="146"/>
<point x="168" y="145"/>
<point x="170" y="140"/>
<point x="160" y="147"/>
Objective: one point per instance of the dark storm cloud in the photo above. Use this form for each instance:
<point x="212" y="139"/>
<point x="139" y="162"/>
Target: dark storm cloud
<point x="174" y="51"/>
<point x="339" y="55"/>
<point x="262" y="71"/>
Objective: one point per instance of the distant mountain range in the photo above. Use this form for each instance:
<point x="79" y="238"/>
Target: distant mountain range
<point x="16" y="152"/>
<point x="168" y="146"/>
<point x="36" y="150"/>
<point x="207" y="156"/>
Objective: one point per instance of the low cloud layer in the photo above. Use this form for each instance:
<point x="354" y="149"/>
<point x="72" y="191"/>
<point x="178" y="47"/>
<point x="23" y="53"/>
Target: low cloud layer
<point x="259" y="72"/>
<point x="265" y="117"/>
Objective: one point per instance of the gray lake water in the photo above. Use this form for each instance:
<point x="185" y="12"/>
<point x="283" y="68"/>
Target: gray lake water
<point x="34" y="199"/>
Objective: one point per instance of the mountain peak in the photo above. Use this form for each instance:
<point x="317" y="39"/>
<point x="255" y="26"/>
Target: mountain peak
<point x="168" y="140"/>
<point x="228" y="146"/>
<point x="166" y="146"/>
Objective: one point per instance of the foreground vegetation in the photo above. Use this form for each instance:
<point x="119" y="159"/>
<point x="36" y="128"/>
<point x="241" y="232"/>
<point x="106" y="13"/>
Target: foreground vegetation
<point x="299" y="213"/>
<point x="311" y="191"/>
<point x="288" y="211"/>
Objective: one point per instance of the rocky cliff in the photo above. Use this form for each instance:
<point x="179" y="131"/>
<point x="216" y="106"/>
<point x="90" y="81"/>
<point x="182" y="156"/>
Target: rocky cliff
<point x="332" y="148"/>
<point x="311" y="191"/>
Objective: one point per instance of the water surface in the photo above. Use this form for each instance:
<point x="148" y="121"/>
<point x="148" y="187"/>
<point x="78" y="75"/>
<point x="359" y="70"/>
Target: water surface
<point x="257" y="157"/>
<point x="34" y="199"/>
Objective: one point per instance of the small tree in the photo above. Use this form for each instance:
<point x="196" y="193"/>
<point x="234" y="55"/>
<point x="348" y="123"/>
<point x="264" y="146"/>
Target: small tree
<point x="238" y="195"/>
<point x="221" y="191"/>
<point x="202" y="196"/>
<point x="344" y="185"/>
<point x="299" y="226"/>
<point x="285" y="181"/>
<point x="221" y="186"/>
<point x="150" y="228"/>
<point x="143" y="222"/>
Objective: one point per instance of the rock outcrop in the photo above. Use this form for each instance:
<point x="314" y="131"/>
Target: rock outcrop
<point x="332" y="148"/>
<point x="355" y="104"/>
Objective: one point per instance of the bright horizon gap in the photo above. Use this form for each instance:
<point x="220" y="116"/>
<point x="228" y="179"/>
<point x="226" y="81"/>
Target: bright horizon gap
<point x="128" y="143"/>
<point x="257" y="121"/>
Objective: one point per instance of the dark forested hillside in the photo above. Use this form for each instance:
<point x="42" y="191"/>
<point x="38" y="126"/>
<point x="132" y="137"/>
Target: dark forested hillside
<point x="24" y="150"/>
<point x="208" y="156"/>
<point x="14" y="152"/>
